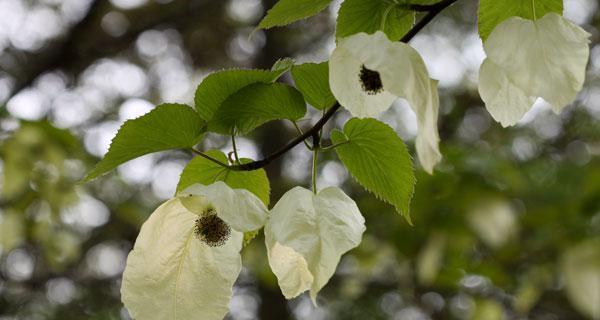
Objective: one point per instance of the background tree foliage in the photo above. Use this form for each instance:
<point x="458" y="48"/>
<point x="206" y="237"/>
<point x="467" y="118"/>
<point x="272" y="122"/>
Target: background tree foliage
<point x="505" y="226"/>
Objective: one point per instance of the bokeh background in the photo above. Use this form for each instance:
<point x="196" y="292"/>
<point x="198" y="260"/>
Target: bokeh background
<point x="508" y="227"/>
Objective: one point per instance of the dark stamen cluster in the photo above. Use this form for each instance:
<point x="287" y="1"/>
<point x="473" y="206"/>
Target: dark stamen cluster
<point x="370" y="81"/>
<point x="211" y="229"/>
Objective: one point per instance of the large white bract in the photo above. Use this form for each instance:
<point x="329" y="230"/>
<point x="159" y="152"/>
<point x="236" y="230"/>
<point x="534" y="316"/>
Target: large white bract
<point x="306" y="236"/>
<point x="171" y="273"/>
<point x="367" y="73"/>
<point x="528" y="59"/>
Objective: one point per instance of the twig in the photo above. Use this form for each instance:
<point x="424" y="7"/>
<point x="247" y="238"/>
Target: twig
<point x="309" y="147"/>
<point x="307" y="134"/>
<point x="205" y="156"/>
<point x="426" y="7"/>
<point x="235" y="152"/>
<point x="433" y="10"/>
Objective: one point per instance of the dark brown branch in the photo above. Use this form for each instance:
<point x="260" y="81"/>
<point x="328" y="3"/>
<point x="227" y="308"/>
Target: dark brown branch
<point x="207" y="157"/>
<point x="429" y="7"/>
<point x="307" y="134"/>
<point x="434" y="10"/>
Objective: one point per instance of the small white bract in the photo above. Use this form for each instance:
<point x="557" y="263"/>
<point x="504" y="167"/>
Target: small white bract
<point x="306" y="236"/>
<point x="528" y="59"/>
<point x="367" y="73"/>
<point x="187" y="255"/>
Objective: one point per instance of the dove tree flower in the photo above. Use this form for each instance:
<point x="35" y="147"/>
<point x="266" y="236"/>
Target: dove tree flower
<point x="307" y="234"/>
<point x="367" y="73"/>
<point x="528" y="59"/>
<point x="187" y="255"/>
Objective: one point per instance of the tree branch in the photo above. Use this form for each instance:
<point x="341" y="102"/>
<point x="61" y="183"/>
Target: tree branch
<point x="307" y="134"/>
<point x="428" y="7"/>
<point x="433" y="11"/>
<point x="207" y="157"/>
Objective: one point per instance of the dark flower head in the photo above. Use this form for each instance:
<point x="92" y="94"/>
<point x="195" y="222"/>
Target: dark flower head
<point x="211" y="229"/>
<point x="370" y="80"/>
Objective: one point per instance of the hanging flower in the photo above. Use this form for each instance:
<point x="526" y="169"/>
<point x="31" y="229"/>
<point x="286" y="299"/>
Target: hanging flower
<point x="187" y="255"/>
<point x="528" y="59"/>
<point x="367" y="73"/>
<point x="306" y="236"/>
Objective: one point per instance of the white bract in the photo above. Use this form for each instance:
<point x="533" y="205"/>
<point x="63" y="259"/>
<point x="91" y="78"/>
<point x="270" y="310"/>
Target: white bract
<point x="367" y="73"/>
<point x="187" y="255"/>
<point x="528" y="59"/>
<point x="306" y="236"/>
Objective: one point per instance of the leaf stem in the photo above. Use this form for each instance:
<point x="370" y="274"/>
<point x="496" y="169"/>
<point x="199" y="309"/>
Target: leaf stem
<point x="205" y="156"/>
<point x="316" y="146"/>
<point x="235" y="153"/>
<point x="333" y="146"/>
<point x="308" y="146"/>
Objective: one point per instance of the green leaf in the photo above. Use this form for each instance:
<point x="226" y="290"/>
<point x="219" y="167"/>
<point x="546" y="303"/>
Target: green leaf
<point x="370" y="16"/>
<point x="377" y="158"/>
<point x="204" y="171"/>
<point x="494" y="12"/>
<point x="285" y="12"/>
<point x="312" y="79"/>
<point x="168" y="126"/>
<point x="218" y="86"/>
<point x="256" y="104"/>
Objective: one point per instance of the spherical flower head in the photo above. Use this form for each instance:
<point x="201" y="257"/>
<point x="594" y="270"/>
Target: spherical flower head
<point x="370" y="81"/>
<point x="238" y="208"/>
<point x="211" y="229"/>
<point x="367" y="73"/>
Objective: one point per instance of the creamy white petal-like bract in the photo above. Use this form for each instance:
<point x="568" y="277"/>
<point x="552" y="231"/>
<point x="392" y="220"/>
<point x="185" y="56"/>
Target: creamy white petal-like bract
<point x="171" y="274"/>
<point x="239" y="208"/>
<point x="504" y="100"/>
<point x="528" y="59"/>
<point x="306" y="235"/>
<point x="427" y="141"/>
<point x="403" y="74"/>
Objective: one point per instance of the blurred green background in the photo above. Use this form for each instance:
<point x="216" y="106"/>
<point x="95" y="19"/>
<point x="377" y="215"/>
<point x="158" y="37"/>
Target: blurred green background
<point x="508" y="227"/>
